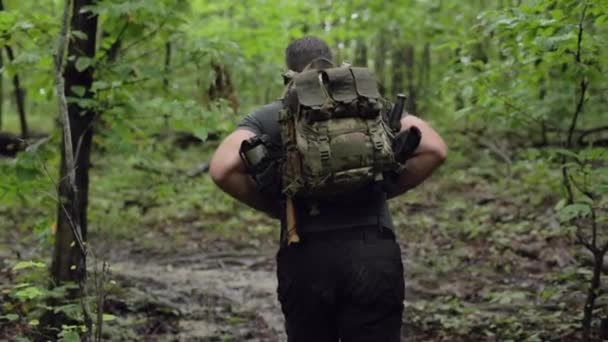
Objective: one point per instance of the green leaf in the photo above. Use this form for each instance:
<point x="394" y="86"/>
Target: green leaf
<point x="108" y="317"/>
<point x="29" y="293"/>
<point x="79" y="34"/>
<point x="560" y="205"/>
<point x="201" y="133"/>
<point x="73" y="311"/>
<point x="82" y="63"/>
<point x="10" y="317"/>
<point x="586" y="200"/>
<point x="24" y="25"/>
<point x="567" y="153"/>
<point x="78" y="90"/>
<point x="573" y="211"/>
<point x="99" y="85"/>
<point x="69" y="336"/>
<point x="28" y="264"/>
<point x="83" y="103"/>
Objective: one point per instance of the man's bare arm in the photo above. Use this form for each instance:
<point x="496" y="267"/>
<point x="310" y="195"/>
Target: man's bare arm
<point x="229" y="173"/>
<point x="429" y="155"/>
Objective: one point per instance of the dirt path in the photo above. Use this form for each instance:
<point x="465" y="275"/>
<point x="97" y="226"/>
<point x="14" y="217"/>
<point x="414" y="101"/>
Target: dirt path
<point x="230" y="295"/>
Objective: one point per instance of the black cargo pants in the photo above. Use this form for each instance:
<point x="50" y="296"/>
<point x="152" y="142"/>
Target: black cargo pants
<point x="344" y="285"/>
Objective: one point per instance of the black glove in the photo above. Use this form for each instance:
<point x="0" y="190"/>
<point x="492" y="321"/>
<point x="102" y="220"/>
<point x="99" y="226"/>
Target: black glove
<point x="262" y="158"/>
<point x="405" y="143"/>
<point x="254" y="152"/>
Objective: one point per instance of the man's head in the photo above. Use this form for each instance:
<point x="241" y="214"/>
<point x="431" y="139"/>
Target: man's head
<point x="302" y="51"/>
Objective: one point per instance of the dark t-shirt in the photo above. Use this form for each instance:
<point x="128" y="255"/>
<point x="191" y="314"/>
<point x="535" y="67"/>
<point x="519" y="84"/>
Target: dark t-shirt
<point x="367" y="208"/>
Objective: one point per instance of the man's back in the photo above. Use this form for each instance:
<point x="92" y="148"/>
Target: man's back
<point x="344" y="280"/>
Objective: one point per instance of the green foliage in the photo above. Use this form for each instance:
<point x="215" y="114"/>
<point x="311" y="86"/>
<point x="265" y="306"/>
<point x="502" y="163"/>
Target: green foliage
<point x="28" y="296"/>
<point x="534" y="76"/>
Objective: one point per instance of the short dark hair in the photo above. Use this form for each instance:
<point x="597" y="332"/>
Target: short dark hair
<point x="300" y="52"/>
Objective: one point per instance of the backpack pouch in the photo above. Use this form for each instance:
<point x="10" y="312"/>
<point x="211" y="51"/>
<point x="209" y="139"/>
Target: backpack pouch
<point x="339" y="152"/>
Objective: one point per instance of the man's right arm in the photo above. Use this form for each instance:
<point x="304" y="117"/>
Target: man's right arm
<point x="228" y="171"/>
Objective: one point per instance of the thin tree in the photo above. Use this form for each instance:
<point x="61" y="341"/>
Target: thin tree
<point x="69" y="256"/>
<point x="408" y="54"/>
<point x="72" y="208"/>
<point x="360" y="53"/>
<point x="167" y="71"/>
<point x="380" y="61"/>
<point x="1" y="89"/>
<point x="398" y="70"/>
<point x="19" y="92"/>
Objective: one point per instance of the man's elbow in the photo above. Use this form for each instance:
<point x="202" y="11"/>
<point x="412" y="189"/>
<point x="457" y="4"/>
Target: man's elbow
<point x="218" y="173"/>
<point x="441" y="153"/>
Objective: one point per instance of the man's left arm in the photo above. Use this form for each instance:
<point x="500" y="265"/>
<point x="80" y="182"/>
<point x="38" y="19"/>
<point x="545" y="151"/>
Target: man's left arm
<point x="428" y="156"/>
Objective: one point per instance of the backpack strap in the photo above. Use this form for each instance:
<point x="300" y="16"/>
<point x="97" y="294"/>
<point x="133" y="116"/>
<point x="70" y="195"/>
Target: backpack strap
<point x="288" y="76"/>
<point x="319" y="64"/>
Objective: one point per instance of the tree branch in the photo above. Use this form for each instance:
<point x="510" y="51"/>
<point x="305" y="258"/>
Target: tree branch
<point x="146" y="36"/>
<point x="112" y="52"/>
<point x="583" y="83"/>
<point x="585" y="133"/>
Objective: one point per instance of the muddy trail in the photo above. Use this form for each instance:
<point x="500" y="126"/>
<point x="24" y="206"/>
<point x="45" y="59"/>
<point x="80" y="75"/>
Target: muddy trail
<point x="223" y="296"/>
<point x="203" y="296"/>
<point x="229" y="294"/>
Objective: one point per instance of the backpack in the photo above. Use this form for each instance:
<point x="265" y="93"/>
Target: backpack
<point x="335" y="131"/>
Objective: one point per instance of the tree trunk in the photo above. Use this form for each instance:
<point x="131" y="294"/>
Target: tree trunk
<point x="19" y="93"/>
<point x="221" y="87"/>
<point x="380" y="62"/>
<point x="19" y="96"/>
<point x="69" y="254"/>
<point x="338" y="49"/>
<point x="424" y="76"/>
<point x="410" y="105"/>
<point x="73" y="207"/>
<point x="542" y="92"/>
<point x="167" y="65"/>
<point x="398" y="70"/>
<point x="360" y="53"/>
<point x="457" y="68"/>
<point x="1" y="89"/>
<point x="592" y="294"/>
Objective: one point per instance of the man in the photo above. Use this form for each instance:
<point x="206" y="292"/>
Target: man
<point x="344" y="280"/>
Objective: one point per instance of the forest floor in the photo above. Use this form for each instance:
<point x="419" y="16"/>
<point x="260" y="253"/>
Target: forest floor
<point x="485" y="256"/>
<point x="485" y="259"/>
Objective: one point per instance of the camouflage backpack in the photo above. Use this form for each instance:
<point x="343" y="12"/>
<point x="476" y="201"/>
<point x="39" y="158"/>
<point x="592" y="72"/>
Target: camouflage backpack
<point x="334" y="130"/>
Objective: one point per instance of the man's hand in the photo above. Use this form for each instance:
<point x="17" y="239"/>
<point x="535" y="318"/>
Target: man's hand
<point x="229" y="172"/>
<point x="430" y="154"/>
<point x="406" y="143"/>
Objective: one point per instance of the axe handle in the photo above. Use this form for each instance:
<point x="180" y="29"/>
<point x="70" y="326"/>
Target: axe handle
<point x="292" y="232"/>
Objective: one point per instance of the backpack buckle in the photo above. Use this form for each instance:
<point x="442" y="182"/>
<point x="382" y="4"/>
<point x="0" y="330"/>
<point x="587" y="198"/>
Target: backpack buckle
<point x="324" y="150"/>
<point x="324" y="155"/>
